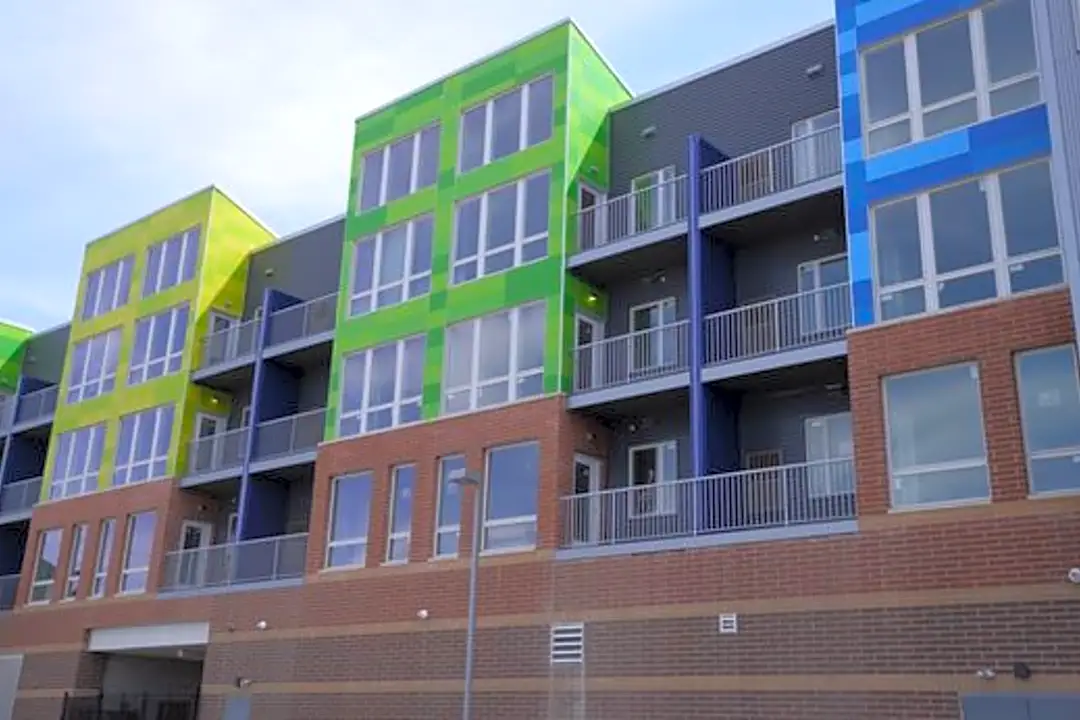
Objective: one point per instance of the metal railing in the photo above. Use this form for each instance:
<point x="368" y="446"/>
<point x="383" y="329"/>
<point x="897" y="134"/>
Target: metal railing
<point x="781" y="496"/>
<point x="309" y="318"/>
<point x="229" y="344"/>
<point x="771" y="170"/>
<point x="635" y="213"/>
<point x="289" y="435"/>
<point x="786" y="323"/>
<point x="19" y="496"/>
<point x="130" y="706"/>
<point x="636" y="356"/>
<point x="222" y="451"/>
<point x="9" y="590"/>
<point x="282" y="557"/>
<point x="36" y="405"/>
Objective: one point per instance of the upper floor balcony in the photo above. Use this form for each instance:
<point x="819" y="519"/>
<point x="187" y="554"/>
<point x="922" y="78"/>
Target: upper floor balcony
<point x="35" y="408"/>
<point x="298" y="326"/>
<point x="9" y="590"/>
<point x="17" y="499"/>
<point x="228" y="346"/>
<point x="276" y="560"/>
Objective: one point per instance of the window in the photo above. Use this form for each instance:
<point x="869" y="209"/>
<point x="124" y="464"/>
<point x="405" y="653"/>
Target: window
<point x="816" y="153"/>
<point x="399" y="169"/>
<point x="936" y="443"/>
<point x="824" y="301"/>
<point x="829" y="452"/>
<point x="393" y="266"/>
<point x="448" y="512"/>
<point x="171" y="262"/>
<point x="107" y="288"/>
<point x="142" y="452"/>
<point x="159" y="345"/>
<point x="75" y="561"/>
<point x="1050" y="414"/>
<point x="969" y="68"/>
<point x="507" y="124"/>
<point x="653" y="470"/>
<point x="983" y="238"/>
<point x="137" y="551"/>
<point x="104" y="557"/>
<point x="513" y="481"/>
<point x="401" y="493"/>
<point x="78" y="461"/>
<point x="382" y="387"/>
<point x="350" y="514"/>
<point x="654" y="200"/>
<point x="501" y="229"/>
<point x="656" y="340"/>
<point x="48" y="559"/>
<point x="93" y="366"/>
<point x="494" y="359"/>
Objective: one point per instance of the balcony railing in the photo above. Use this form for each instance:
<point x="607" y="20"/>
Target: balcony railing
<point x="282" y="557"/>
<point x="229" y="344"/>
<point x="771" y="170"/>
<point x="7" y="405"/>
<point x="133" y="706"/>
<point x="19" y="496"/>
<point x="223" y="451"/>
<point x="36" y="405"/>
<point x="640" y="355"/>
<point x="305" y="320"/>
<point x="290" y="435"/>
<point x="775" y="497"/>
<point x="772" y="326"/>
<point x="9" y="589"/>
<point x="636" y="213"/>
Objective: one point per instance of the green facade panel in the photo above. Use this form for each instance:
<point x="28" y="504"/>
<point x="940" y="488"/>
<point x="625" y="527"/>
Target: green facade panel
<point x="12" y="349"/>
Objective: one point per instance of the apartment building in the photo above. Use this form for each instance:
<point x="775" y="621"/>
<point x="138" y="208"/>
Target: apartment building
<point x="765" y="384"/>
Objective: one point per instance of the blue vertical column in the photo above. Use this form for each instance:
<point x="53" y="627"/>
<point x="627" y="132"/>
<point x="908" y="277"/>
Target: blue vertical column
<point x="697" y="306"/>
<point x="248" y="503"/>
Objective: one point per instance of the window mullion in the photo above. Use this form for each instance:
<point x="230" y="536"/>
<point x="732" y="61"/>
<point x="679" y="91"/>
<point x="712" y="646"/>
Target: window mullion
<point x="519" y="220"/>
<point x="406" y="271"/>
<point x="911" y="64"/>
<point x="523" y="120"/>
<point x="474" y="369"/>
<point x="376" y="273"/>
<point x="926" y="248"/>
<point x="365" y="401"/>
<point x="155" y="417"/>
<point x="384" y="173"/>
<point x="511" y="353"/>
<point x="399" y="364"/>
<point x="992" y="192"/>
<point x="980" y="63"/>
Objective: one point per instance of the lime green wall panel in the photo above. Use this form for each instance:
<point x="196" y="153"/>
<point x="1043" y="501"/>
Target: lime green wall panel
<point x="12" y="349"/>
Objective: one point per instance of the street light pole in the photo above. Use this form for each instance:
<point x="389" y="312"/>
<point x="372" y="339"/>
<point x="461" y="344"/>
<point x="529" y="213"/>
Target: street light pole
<point x="474" y="566"/>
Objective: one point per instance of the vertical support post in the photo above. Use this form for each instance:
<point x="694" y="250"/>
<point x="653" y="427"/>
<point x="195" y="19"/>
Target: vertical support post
<point x="698" y="421"/>
<point x="474" y="571"/>
<point x="261" y="333"/>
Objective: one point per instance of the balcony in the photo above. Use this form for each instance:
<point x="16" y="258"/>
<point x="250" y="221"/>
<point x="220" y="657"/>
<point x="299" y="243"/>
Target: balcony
<point x="289" y="437"/>
<point x="637" y="214"/>
<point x="217" y="456"/>
<point x="225" y="348"/>
<point x="770" y="503"/>
<point x="296" y="326"/>
<point x="651" y="360"/>
<point x="19" y="498"/>
<point x="36" y="408"/>
<point x="7" y="405"/>
<point x="280" y="559"/>
<point x="9" y="589"/>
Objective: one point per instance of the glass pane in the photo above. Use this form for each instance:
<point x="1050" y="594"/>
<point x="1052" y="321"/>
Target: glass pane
<point x="159" y="336"/>
<point x="950" y="117"/>
<point x="179" y="329"/>
<point x="352" y="507"/>
<point x="383" y="375"/>
<point x="363" y="265"/>
<point x="1035" y="274"/>
<point x="108" y="287"/>
<point x="170" y="264"/>
<point x="886" y="83"/>
<point x="191" y="254"/>
<point x="352" y="382"/>
<point x="412" y="380"/>
<point x="513" y="481"/>
<point x="1015" y="96"/>
<point x="371" y="180"/>
<point x="423" y="233"/>
<point x="896" y="242"/>
<point x="467" y="239"/>
<point x="495" y="345"/>
<point x="473" y="124"/>
<point x="530" y="340"/>
<point x="967" y="289"/>
<point x="399" y="172"/>
<point x="402" y="501"/>
<point x="889" y="136"/>
<point x="344" y="555"/>
<point x="449" y="492"/>
<point x="961" y="227"/>
<point x="392" y="261"/>
<point x="536" y="204"/>
<point x="459" y="348"/>
<point x="540" y="111"/>
<point x="941" y="486"/>
<point x="1027" y="202"/>
<point x="934" y="417"/>
<point x="946" y="68"/>
<point x="1010" y="39"/>
<point x="153" y="265"/>
<point x="93" y="281"/>
<point x="427" y="169"/>
<point x="164" y="431"/>
<point x="502" y="217"/>
<point x="506" y="125"/>
<point x="124" y="282"/>
<point x="1050" y="399"/>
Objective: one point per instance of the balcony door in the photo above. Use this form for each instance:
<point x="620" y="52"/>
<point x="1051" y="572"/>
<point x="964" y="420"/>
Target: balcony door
<point x="223" y="338"/>
<point x="653" y="342"/>
<point x="209" y="442"/>
<point x="652" y="200"/>
<point x="816" y="154"/>
<point x="823" y="311"/>
<point x="195" y="538"/>
<point x="591" y="230"/>
<point x="654" y="468"/>
<point x="584" y="517"/>
<point x="588" y="372"/>
<point x="829" y="450"/>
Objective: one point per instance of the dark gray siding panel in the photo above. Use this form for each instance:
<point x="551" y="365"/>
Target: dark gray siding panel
<point x="306" y="266"/>
<point x="740" y="108"/>
<point x="664" y="421"/>
<point x="632" y="292"/>
<point x="45" y="352"/>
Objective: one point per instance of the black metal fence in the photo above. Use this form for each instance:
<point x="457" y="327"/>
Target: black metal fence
<point x="130" y="706"/>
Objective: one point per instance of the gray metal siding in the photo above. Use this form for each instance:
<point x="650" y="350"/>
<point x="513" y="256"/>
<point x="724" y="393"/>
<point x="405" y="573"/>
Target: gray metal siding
<point x="740" y="108"/>
<point x="640" y="290"/>
<point x="298" y="511"/>
<point x="776" y="422"/>
<point x="44" y="358"/>
<point x="769" y="269"/>
<point x="668" y="421"/>
<point x="313" y="387"/>
<point x="306" y="266"/>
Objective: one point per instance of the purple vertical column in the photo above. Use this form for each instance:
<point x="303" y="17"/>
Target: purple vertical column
<point x="247" y="501"/>
<point x="697" y="305"/>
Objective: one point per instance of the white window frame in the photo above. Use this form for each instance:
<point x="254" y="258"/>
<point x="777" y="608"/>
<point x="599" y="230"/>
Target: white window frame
<point x="407" y="276"/>
<point x="399" y="536"/>
<point x="126" y="569"/>
<point x="827" y="476"/>
<point x="666" y="501"/>
<point x="654" y="338"/>
<point x="915" y="112"/>
<point x="154" y="415"/>
<point x="414" y="186"/>
<point x="399" y="401"/>
<point x="98" y="304"/>
<point x="189" y="243"/>
<point x="662" y="183"/>
<point x="360" y="541"/>
<point x="77" y="481"/>
<point x="805" y="134"/>
<point x="1056" y="453"/>
<point x="489" y="115"/>
<point x="515" y="376"/>
<point x="172" y="361"/>
<point x="594" y="217"/>
<point x="815" y="314"/>
<point x="441" y="531"/>
<point x="1000" y="262"/>
<point x="76" y="553"/>
<point x="103" y="560"/>
<point x="516" y="520"/>
<point x="82" y="387"/>
<point x="480" y="259"/>
<point x="35" y="597"/>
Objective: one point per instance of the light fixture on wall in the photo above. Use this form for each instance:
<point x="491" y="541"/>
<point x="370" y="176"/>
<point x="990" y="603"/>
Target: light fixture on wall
<point x="814" y="70"/>
<point x="648" y="132"/>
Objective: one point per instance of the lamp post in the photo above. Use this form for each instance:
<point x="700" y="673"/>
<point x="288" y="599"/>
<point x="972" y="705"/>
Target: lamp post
<point x="462" y="480"/>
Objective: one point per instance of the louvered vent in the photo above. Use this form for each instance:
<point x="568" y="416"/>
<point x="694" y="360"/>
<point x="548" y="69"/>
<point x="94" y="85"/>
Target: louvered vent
<point x="568" y="643"/>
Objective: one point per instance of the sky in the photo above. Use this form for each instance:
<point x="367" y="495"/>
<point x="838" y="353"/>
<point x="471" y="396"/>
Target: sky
<point x="114" y="108"/>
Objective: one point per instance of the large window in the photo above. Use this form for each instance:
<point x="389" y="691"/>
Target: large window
<point x="982" y="238"/>
<point x="171" y="262"/>
<point x="103" y="558"/>
<point x="159" y="345"/>
<point x="138" y="548"/>
<point x="75" y="562"/>
<point x="93" y="366"/>
<point x="448" y="512"/>
<point x="382" y="387"/>
<point x="513" y="481"/>
<point x="393" y="266"/>
<point x="969" y="68"/>
<point x="502" y="228"/>
<point x="107" y="288"/>
<point x="350" y="516"/>
<point x="494" y="359"/>
<point x="78" y="461"/>
<point x="1050" y="414"/>
<point x="142" y="452"/>
<point x="936" y="442"/>
<point x="399" y="169"/>
<point x="45" y="565"/>
<point x="506" y="124"/>
<point x="654" y="468"/>
<point x="401" y="503"/>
